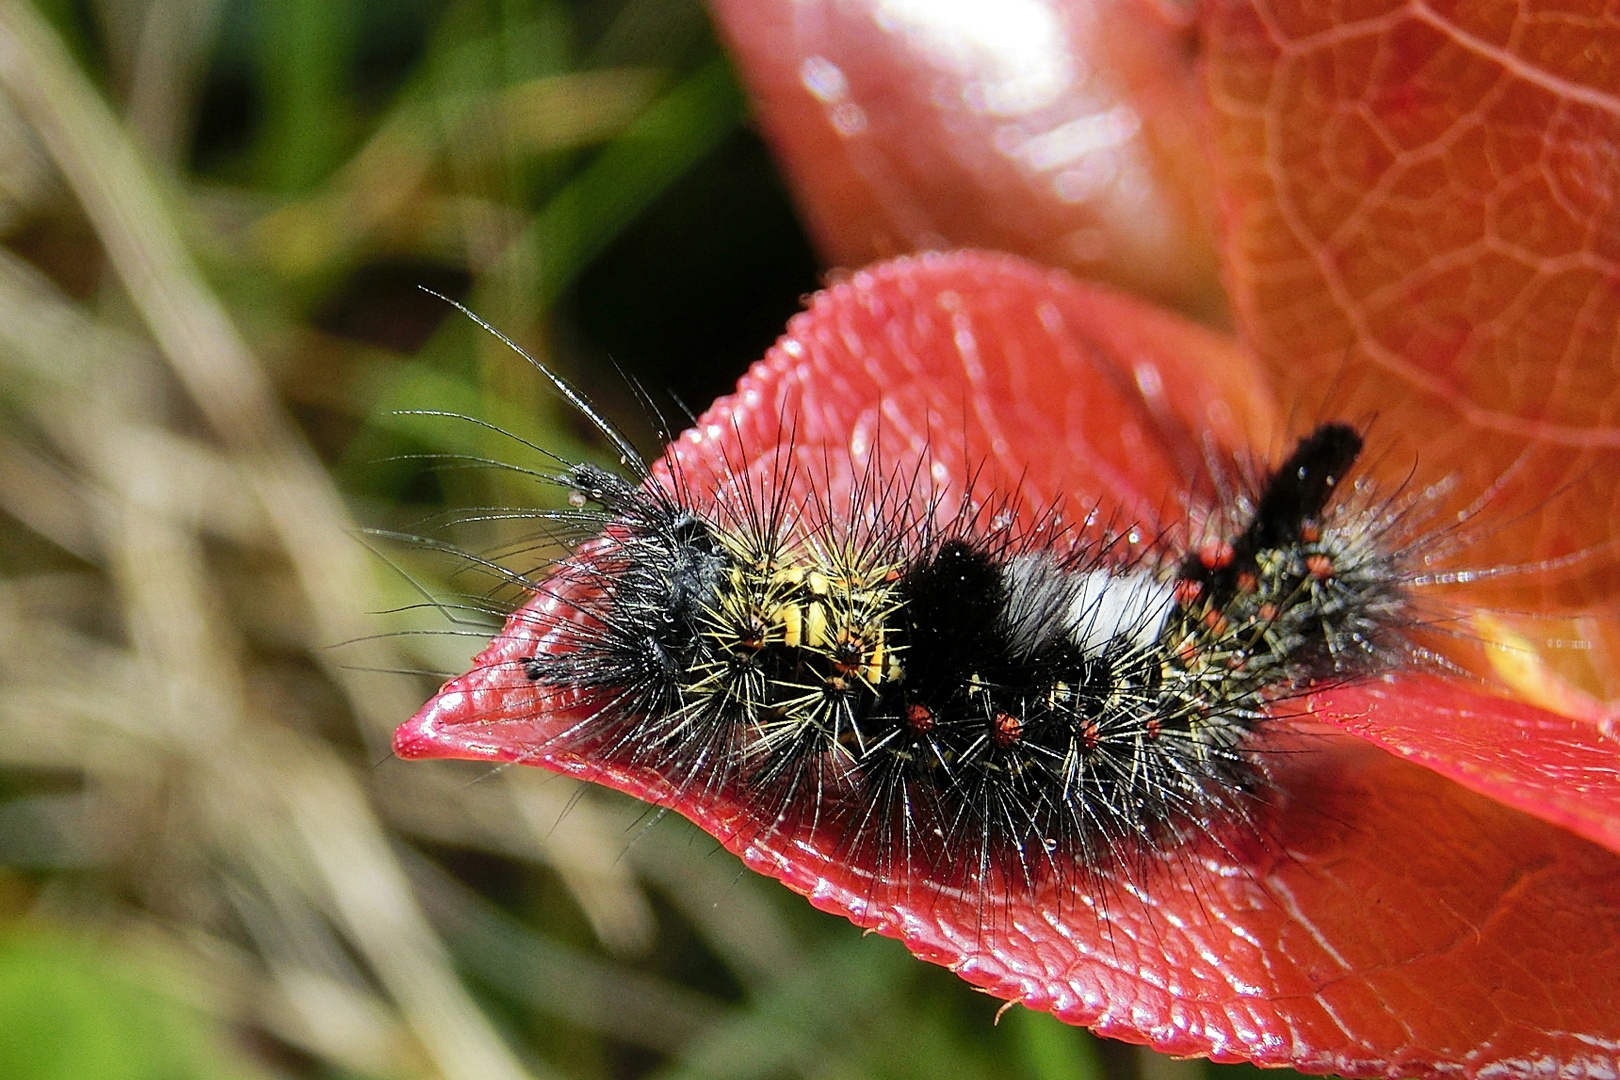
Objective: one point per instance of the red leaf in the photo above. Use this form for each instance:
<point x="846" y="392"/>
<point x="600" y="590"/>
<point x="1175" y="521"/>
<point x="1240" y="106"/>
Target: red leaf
<point x="1561" y="769"/>
<point x="1422" y="214"/>
<point x="1392" y="924"/>
<point x="1063" y="131"/>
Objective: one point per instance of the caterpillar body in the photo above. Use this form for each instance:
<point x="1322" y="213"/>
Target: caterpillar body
<point x="965" y="689"/>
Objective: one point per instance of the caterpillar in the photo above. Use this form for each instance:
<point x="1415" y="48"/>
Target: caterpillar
<point x="974" y="687"/>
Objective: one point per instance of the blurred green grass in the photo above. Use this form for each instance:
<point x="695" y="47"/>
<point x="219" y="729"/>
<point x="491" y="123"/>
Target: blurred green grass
<point x="70" y="1011"/>
<point x="216" y="214"/>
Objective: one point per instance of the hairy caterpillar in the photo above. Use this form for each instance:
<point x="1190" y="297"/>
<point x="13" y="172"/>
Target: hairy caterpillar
<point x="972" y="687"/>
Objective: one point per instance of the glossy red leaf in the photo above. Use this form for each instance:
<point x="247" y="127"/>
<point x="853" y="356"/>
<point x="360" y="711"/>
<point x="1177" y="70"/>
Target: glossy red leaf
<point x="1064" y="130"/>
<point x="1559" y="768"/>
<point x="1391" y="923"/>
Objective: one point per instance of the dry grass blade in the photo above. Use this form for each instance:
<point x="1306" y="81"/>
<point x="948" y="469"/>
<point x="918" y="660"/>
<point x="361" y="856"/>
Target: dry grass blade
<point x="203" y="729"/>
<point x="197" y="338"/>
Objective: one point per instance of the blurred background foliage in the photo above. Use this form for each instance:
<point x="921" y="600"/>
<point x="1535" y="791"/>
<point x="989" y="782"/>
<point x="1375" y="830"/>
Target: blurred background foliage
<point x="215" y="217"/>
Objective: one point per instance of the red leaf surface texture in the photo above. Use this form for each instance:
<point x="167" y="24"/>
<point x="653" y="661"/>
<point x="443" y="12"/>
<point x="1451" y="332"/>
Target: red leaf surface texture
<point x="1421" y="215"/>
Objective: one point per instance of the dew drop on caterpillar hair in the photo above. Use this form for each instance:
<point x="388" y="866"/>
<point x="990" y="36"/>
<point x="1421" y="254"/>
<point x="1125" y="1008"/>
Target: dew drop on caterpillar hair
<point x="961" y="688"/>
